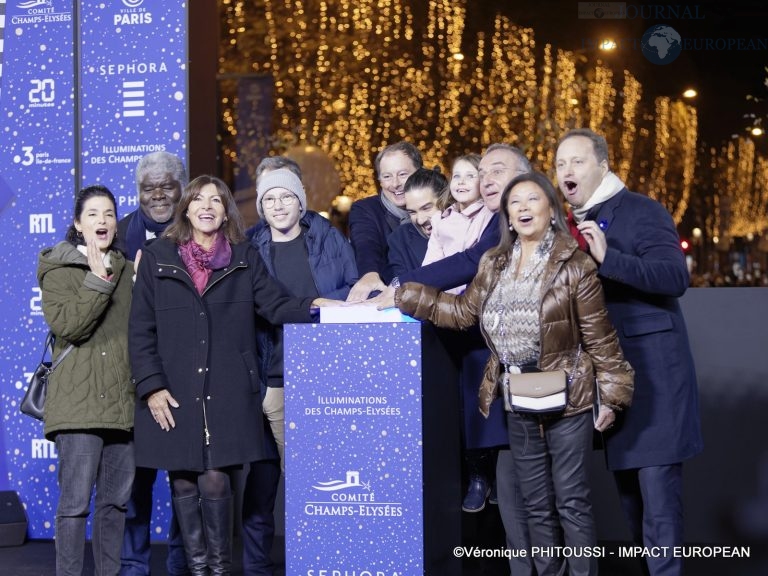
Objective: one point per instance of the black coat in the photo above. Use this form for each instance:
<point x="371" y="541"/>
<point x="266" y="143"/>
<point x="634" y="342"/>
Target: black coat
<point x="203" y="350"/>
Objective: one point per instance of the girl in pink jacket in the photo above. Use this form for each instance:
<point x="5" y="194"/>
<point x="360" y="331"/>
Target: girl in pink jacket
<point x="460" y="225"/>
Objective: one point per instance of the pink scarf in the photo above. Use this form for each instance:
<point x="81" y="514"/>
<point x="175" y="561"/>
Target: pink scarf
<point x="201" y="263"/>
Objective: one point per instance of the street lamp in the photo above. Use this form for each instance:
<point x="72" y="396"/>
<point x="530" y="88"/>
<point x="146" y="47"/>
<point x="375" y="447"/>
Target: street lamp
<point x="701" y="267"/>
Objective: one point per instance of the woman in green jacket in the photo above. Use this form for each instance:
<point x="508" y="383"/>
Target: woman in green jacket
<point x="86" y="288"/>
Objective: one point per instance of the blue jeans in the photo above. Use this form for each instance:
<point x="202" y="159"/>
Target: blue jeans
<point x="100" y="458"/>
<point x="550" y="463"/>
<point x="135" y="557"/>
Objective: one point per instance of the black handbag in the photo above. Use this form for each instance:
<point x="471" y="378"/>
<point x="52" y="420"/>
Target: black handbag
<point x="33" y="403"/>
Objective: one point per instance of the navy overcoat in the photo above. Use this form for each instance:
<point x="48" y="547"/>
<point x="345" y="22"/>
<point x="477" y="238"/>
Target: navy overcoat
<point x="643" y="274"/>
<point x="369" y="227"/>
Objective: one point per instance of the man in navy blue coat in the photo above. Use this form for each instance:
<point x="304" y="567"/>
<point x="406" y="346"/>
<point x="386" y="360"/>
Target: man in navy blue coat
<point x="373" y="219"/>
<point x="633" y="240"/>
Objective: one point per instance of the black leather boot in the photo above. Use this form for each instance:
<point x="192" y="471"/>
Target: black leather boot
<point x="217" y="520"/>
<point x="191" y="527"/>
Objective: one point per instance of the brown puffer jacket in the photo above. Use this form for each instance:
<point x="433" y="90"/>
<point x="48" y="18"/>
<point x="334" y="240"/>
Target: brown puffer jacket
<point x="572" y="313"/>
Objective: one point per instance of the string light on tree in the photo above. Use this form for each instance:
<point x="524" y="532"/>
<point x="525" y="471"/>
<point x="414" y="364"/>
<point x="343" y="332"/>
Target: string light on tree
<point x="351" y="77"/>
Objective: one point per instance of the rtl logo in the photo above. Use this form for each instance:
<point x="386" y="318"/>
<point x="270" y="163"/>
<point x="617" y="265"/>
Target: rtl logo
<point x="41" y="224"/>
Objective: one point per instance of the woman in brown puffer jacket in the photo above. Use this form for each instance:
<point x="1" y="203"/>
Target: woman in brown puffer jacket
<point x="540" y="306"/>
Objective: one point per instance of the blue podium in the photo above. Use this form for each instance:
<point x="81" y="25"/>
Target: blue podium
<point x="372" y="454"/>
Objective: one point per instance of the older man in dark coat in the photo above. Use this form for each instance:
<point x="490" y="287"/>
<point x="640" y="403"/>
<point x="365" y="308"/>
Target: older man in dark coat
<point x="642" y="267"/>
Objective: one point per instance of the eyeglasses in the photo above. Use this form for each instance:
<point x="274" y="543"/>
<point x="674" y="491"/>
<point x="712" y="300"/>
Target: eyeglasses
<point x="285" y="200"/>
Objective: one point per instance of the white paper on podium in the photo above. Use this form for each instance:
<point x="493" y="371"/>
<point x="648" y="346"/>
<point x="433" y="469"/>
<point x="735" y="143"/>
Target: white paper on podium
<point x="361" y="314"/>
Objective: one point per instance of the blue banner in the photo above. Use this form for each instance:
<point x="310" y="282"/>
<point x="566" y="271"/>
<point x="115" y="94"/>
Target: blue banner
<point x="133" y="89"/>
<point x="37" y="178"/>
<point x="353" y="449"/>
<point x="130" y="100"/>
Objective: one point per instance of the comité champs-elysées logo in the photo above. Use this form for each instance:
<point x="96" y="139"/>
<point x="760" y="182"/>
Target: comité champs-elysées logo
<point x="39" y="12"/>
<point x="350" y="497"/>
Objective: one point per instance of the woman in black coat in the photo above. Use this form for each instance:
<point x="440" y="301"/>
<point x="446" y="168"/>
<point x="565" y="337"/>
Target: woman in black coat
<point x="192" y="345"/>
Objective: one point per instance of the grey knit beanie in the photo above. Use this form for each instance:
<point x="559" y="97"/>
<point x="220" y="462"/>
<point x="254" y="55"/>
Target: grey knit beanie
<point x="280" y="178"/>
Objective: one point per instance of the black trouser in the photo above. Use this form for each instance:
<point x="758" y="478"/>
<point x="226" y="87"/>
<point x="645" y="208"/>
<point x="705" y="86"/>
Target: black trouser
<point x="550" y="458"/>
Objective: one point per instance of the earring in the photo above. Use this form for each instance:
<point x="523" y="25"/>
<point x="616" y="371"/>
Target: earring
<point x="511" y="228"/>
<point x="552" y="221"/>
